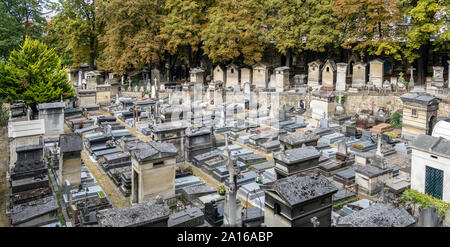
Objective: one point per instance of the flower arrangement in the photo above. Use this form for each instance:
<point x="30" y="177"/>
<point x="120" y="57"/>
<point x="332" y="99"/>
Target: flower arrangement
<point x="358" y="146"/>
<point x="221" y="190"/>
<point x="259" y="179"/>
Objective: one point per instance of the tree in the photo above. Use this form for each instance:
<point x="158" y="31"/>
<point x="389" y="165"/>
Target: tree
<point x="233" y="32"/>
<point x="303" y="25"/>
<point x="182" y="26"/>
<point x="428" y="28"/>
<point x="370" y="25"/>
<point x="19" y="19"/>
<point x="131" y="34"/>
<point x="80" y="23"/>
<point x="34" y="74"/>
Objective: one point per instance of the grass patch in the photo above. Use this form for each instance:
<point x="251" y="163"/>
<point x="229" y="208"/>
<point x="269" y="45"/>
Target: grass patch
<point x="339" y="204"/>
<point x="425" y="200"/>
<point x="101" y="194"/>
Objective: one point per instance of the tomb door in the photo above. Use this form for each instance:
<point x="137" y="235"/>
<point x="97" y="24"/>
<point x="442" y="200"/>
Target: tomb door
<point x="433" y="182"/>
<point x="136" y="187"/>
<point x="431" y="124"/>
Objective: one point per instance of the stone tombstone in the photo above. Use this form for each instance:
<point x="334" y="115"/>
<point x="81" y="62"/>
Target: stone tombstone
<point x="67" y="188"/>
<point x="141" y="89"/>
<point x="197" y="75"/>
<point x="394" y="81"/>
<point x="232" y="75"/>
<point x="323" y="122"/>
<point x="429" y="217"/>
<point x="341" y="76"/>
<point x="53" y="114"/>
<point x="272" y="81"/>
<point x="329" y="74"/>
<point x="219" y="74"/>
<point x="376" y="72"/>
<point x="314" y="73"/>
<point x="136" y="88"/>
<point x="153" y="92"/>
<point x="155" y="74"/>
<point x="342" y="147"/>
<point x="366" y="134"/>
<point x="282" y="77"/>
<point x="246" y="75"/>
<point x="247" y="89"/>
<point x="438" y="75"/>
<point x="350" y="131"/>
<point x="359" y="76"/>
<point x="299" y="79"/>
<point x="260" y="75"/>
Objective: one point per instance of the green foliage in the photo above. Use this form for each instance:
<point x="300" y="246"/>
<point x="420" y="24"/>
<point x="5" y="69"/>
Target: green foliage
<point x="425" y="200"/>
<point x="425" y="26"/>
<point x="221" y="190"/>
<point x="302" y="25"/>
<point x="395" y="121"/>
<point x="79" y="24"/>
<point x="403" y="81"/>
<point x="4" y="114"/>
<point x="34" y="74"/>
<point x="339" y="204"/>
<point x="189" y="169"/>
<point x="101" y="194"/>
<point x="232" y="32"/>
<point x="19" y="19"/>
<point x="131" y="35"/>
<point x="343" y="99"/>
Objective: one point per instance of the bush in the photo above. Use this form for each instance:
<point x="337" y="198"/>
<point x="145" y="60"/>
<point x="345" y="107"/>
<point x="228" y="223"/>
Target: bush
<point x="4" y="114"/>
<point x="395" y="121"/>
<point x="425" y="200"/>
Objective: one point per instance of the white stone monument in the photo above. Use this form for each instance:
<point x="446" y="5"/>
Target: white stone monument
<point x="341" y="76"/>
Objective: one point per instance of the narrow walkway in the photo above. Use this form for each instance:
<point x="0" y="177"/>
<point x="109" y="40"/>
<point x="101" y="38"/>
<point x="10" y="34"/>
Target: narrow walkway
<point x="111" y="190"/>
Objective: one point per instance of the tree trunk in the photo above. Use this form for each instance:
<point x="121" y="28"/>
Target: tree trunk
<point x="92" y="54"/>
<point x="422" y="64"/>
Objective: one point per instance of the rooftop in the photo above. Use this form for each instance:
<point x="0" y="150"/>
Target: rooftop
<point x="70" y="142"/>
<point x="26" y="128"/>
<point x="378" y="215"/>
<point x="154" y="150"/>
<point x="297" y="189"/>
<point x="136" y="215"/>
<point x="434" y="145"/>
<point x="419" y="98"/>
<point x="297" y="155"/>
<point x="51" y="105"/>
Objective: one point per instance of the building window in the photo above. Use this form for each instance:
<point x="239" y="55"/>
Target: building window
<point x="414" y="112"/>
<point x="328" y="69"/>
<point x="232" y="71"/>
<point x="434" y="179"/>
<point x="158" y="164"/>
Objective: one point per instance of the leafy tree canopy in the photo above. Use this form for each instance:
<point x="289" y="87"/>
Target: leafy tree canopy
<point x="19" y="18"/>
<point x="34" y="74"/>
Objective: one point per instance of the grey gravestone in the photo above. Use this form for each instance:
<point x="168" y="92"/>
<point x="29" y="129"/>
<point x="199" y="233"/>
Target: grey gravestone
<point x="429" y="217"/>
<point x="342" y="147"/>
<point x="324" y="122"/>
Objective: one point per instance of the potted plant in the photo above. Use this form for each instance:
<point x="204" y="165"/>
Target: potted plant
<point x="221" y="190"/>
<point x="189" y="169"/>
